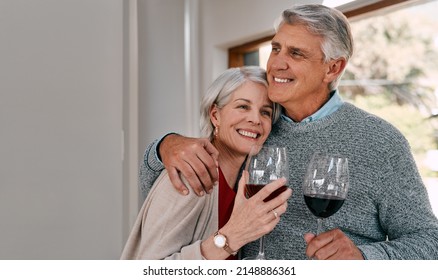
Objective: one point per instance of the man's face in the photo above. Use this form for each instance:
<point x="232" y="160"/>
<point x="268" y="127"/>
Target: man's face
<point x="297" y="73"/>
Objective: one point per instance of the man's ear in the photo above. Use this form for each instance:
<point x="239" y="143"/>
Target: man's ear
<point x="335" y="68"/>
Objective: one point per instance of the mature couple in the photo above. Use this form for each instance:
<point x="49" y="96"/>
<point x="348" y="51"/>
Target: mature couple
<point x="387" y="214"/>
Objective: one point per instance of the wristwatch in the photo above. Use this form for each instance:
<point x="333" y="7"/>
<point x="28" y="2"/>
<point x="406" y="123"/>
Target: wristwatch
<point x="220" y="241"/>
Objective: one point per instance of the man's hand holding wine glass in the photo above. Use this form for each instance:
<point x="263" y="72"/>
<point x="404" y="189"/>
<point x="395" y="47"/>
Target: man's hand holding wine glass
<point x="325" y="189"/>
<point x="331" y="245"/>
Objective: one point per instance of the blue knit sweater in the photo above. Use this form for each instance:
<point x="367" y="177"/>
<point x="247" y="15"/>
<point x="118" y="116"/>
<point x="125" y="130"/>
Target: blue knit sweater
<point x="387" y="212"/>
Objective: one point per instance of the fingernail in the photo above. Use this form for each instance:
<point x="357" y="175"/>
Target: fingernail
<point x="185" y="192"/>
<point x="201" y="193"/>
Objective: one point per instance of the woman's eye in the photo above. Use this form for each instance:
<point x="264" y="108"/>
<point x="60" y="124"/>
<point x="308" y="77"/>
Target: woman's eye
<point x="243" y="107"/>
<point x="267" y="113"/>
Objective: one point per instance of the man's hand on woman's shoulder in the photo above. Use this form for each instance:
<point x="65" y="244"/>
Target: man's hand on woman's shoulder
<point x="194" y="158"/>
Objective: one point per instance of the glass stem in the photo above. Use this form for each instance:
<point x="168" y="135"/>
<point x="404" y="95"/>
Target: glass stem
<point x="319" y="226"/>
<point x="261" y="255"/>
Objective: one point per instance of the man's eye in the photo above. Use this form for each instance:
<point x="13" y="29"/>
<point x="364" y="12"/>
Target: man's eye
<point x="296" y="54"/>
<point x="275" y="49"/>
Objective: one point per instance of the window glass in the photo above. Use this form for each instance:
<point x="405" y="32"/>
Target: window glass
<point x="394" y="74"/>
<point x="251" y="58"/>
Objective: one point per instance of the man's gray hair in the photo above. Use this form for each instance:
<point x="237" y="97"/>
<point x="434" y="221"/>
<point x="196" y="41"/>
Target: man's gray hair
<point x="326" y="22"/>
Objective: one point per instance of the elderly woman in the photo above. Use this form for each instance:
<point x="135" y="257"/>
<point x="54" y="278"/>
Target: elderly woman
<point x="235" y="114"/>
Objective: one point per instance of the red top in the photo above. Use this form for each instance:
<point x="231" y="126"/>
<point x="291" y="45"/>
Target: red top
<point x="226" y="203"/>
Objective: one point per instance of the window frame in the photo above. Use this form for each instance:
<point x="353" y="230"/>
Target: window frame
<point x="236" y="54"/>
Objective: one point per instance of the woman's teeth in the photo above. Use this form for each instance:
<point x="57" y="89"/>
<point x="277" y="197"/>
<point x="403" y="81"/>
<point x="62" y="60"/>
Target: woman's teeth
<point x="248" y="134"/>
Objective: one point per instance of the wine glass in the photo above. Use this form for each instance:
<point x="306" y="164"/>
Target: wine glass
<point x="325" y="185"/>
<point x="264" y="165"/>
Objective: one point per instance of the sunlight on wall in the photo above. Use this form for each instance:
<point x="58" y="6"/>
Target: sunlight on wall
<point x="264" y="52"/>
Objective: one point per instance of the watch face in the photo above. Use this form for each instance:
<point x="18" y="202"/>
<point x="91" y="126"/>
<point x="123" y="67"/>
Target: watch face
<point x="219" y="241"/>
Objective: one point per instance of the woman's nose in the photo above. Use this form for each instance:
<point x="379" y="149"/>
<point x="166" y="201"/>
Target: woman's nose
<point x="254" y="117"/>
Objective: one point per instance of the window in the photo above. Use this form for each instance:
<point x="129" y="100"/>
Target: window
<point x="393" y="73"/>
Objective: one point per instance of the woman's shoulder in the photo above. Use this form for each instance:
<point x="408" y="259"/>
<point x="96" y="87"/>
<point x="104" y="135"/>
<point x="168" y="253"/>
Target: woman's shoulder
<point x="164" y="191"/>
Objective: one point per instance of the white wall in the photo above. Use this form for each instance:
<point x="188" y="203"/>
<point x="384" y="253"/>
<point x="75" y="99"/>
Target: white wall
<point x="161" y="69"/>
<point x="61" y="85"/>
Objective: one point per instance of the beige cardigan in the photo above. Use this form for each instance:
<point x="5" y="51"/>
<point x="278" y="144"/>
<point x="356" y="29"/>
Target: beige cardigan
<point x="170" y="225"/>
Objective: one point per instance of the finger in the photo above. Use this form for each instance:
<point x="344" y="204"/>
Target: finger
<point x="270" y="225"/>
<point x="187" y="155"/>
<point x="190" y="176"/>
<point x="308" y="237"/>
<point x="327" y="252"/>
<point x="200" y="174"/>
<point x="265" y="193"/>
<point x="207" y="170"/>
<point x="276" y="214"/>
<point x="176" y="181"/>
<point x="342" y="247"/>
<point x="280" y="200"/>
<point x="198" y="156"/>
<point x="242" y="184"/>
<point x="212" y="151"/>
<point x="317" y="243"/>
<point x="281" y="209"/>
<point x="240" y="194"/>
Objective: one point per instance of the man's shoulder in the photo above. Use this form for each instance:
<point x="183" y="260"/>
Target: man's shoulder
<point x="370" y="120"/>
<point x="375" y="127"/>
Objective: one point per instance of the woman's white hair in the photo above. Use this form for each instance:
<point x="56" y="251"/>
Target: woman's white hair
<point x="221" y="89"/>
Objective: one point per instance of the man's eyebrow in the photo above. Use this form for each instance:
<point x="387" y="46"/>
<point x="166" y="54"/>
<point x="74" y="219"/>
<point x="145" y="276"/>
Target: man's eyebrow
<point x="290" y="48"/>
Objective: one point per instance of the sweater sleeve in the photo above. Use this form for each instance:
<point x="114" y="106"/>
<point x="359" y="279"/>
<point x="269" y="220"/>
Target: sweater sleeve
<point x="404" y="210"/>
<point x="150" y="169"/>
<point x="169" y="225"/>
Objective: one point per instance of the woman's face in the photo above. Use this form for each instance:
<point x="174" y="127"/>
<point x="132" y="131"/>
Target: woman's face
<point x="245" y="120"/>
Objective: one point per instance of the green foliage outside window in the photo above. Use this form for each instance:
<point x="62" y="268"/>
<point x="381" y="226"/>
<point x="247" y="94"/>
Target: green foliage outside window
<point x="394" y="74"/>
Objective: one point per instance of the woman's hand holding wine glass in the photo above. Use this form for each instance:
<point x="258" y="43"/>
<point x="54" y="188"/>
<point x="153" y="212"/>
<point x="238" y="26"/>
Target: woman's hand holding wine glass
<point x="253" y="217"/>
<point x="267" y="164"/>
<point x="261" y="198"/>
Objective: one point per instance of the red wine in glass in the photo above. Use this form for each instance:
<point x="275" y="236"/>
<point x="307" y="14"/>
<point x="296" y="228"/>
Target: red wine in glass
<point x="325" y="185"/>
<point x="252" y="189"/>
<point x="323" y="206"/>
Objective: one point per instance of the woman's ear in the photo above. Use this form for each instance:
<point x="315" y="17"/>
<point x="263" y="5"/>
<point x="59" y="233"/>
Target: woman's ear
<point x="214" y="115"/>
